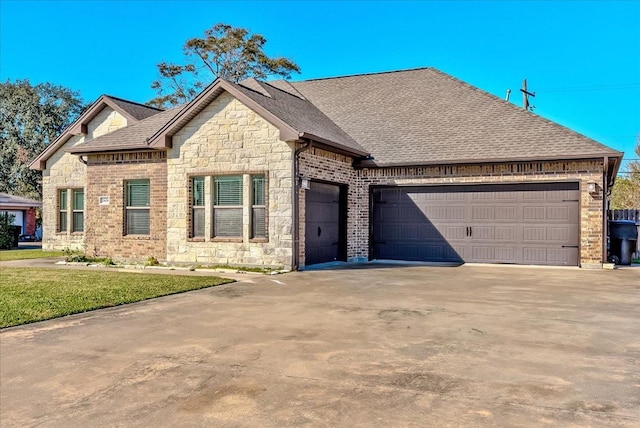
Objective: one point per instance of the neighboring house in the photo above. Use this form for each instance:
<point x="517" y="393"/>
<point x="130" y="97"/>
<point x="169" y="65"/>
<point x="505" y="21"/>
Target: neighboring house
<point x="406" y="165"/>
<point x="23" y="210"/>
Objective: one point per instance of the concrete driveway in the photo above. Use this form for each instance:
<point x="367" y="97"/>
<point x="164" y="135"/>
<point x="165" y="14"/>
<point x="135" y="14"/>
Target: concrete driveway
<point x="402" y="346"/>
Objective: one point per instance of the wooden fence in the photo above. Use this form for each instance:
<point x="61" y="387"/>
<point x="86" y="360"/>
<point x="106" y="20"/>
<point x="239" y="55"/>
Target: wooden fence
<point x="624" y="215"/>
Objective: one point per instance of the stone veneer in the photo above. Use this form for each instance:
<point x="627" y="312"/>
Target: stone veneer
<point x="66" y="171"/>
<point x="228" y="138"/>
<point x="326" y="166"/>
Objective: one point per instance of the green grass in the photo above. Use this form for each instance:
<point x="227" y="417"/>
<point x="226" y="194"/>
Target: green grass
<point x="29" y="295"/>
<point x="6" y="255"/>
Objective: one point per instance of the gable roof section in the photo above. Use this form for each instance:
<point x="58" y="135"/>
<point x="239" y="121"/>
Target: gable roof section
<point x="295" y="118"/>
<point x="130" y="137"/>
<point x="135" y="110"/>
<point x="132" y="111"/>
<point x="8" y="201"/>
<point x="424" y="116"/>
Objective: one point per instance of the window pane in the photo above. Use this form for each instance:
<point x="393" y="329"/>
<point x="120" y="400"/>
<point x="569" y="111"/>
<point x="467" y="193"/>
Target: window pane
<point x="62" y="221"/>
<point x="198" y="191"/>
<point x="197" y="222"/>
<point x="78" y="222"/>
<point x="228" y="190"/>
<point x="78" y="200"/>
<point x="137" y="222"/>
<point x="258" y="223"/>
<point x="63" y="200"/>
<point x="228" y="222"/>
<point x="138" y="193"/>
<point x="258" y="190"/>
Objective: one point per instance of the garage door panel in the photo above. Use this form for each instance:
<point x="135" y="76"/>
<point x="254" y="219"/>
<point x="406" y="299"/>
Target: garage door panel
<point x="506" y="213"/>
<point x="454" y="232"/>
<point x="533" y="213"/>
<point x="558" y="214"/>
<point x="505" y="254"/>
<point x="483" y="253"/>
<point x="505" y="233"/>
<point x="524" y="223"/>
<point x="483" y="233"/>
<point x="481" y="213"/>
<point x="409" y="212"/>
<point x="324" y="230"/>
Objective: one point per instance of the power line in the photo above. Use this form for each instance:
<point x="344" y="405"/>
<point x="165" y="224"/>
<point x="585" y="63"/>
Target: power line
<point x="614" y="87"/>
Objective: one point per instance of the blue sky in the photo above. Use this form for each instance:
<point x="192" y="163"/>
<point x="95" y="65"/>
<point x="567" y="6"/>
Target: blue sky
<point x="581" y="58"/>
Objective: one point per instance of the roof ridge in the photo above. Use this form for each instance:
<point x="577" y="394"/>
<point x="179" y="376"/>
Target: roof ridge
<point x="249" y="80"/>
<point x="362" y="74"/>
<point x="512" y="105"/>
<point x="131" y="102"/>
<point x="299" y="94"/>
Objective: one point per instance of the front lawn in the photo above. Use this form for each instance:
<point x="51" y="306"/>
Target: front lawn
<point x="29" y="295"/>
<point x="6" y="255"/>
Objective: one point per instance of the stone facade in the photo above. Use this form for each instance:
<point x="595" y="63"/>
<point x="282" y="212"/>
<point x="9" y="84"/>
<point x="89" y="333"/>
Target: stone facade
<point x="66" y="171"/>
<point x="325" y="166"/>
<point x="228" y="138"/>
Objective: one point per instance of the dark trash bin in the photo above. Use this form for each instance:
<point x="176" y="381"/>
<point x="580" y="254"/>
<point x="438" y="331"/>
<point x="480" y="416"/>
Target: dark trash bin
<point x="623" y="235"/>
<point x="15" y="235"/>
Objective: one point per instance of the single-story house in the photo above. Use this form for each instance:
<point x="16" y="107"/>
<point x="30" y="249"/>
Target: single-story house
<point x="405" y="165"/>
<point x="23" y="211"/>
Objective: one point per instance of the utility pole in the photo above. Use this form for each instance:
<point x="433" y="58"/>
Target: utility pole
<point x="525" y="96"/>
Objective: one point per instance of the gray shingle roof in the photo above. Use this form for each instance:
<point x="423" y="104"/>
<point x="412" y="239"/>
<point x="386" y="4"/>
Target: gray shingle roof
<point x="425" y="116"/>
<point x="410" y="117"/>
<point x="7" y="200"/>
<point x="138" y="111"/>
<point x="130" y="137"/>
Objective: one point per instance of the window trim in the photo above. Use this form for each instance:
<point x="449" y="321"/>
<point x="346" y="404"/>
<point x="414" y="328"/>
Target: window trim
<point x="252" y="232"/>
<point x="194" y="208"/>
<point x="75" y="210"/>
<point x="215" y="207"/>
<point x="135" y="208"/>
<point x="247" y="198"/>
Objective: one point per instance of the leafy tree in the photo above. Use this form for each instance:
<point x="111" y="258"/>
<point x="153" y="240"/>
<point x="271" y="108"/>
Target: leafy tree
<point x="224" y="51"/>
<point x="30" y="118"/>
<point x="626" y="191"/>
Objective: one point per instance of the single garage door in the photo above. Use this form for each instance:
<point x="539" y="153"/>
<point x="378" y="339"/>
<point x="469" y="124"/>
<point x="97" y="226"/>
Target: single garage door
<point x="502" y="223"/>
<point x="325" y="223"/>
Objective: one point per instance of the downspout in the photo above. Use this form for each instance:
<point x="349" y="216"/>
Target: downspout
<point x="295" y="257"/>
<point x="605" y="197"/>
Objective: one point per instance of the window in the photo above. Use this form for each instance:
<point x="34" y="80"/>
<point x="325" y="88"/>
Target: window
<point x="137" y="207"/>
<point x="258" y="229"/>
<point x="77" y="222"/>
<point x="197" y="207"/>
<point x="62" y="210"/>
<point x="227" y="206"/>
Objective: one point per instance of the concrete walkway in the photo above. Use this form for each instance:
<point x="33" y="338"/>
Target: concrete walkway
<point x="402" y="346"/>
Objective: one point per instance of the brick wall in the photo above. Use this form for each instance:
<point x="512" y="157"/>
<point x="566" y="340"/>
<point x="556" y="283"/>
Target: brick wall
<point x="228" y="138"/>
<point x="105" y="225"/>
<point x="65" y="171"/>
<point x="30" y="221"/>
<point x="327" y="166"/>
<point x="322" y="165"/>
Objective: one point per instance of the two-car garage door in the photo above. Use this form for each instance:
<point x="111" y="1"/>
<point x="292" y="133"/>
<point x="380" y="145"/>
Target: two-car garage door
<point x="501" y="223"/>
